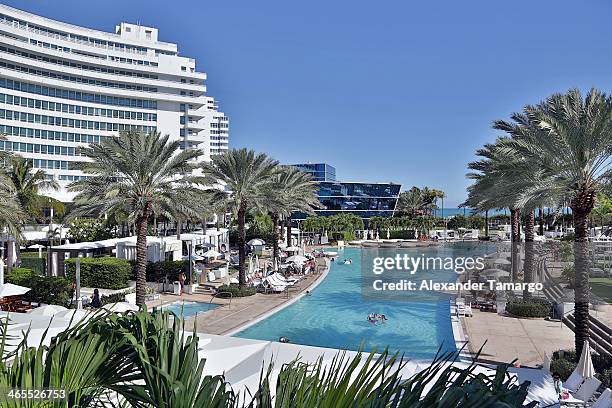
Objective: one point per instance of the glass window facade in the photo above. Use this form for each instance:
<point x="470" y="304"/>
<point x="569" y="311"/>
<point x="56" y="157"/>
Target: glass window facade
<point x="318" y="171"/>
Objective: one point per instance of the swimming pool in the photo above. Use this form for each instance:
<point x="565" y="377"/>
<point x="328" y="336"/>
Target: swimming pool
<point x="188" y="309"/>
<point x="335" y="313"/>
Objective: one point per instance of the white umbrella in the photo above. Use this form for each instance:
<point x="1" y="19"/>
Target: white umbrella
<point x="36" y="246"/>
<point x="292" y="249"/>
<point x="234" y="280"/>
<point x="256" y="242"/>
<point x="47" y="310"/>
<point x="121" y="307"/>
<point x="211" y="253"/>
<point x="585" y="364"/>
<point x="298" y="259"/>
<point x="72" y="314"/>
<point x="193" y="257"/>
<point x="8" y="289"/>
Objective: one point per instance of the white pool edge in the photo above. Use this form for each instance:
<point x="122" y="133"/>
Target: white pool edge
<point x="461" y="340"/>
<point x="282" y="305"/>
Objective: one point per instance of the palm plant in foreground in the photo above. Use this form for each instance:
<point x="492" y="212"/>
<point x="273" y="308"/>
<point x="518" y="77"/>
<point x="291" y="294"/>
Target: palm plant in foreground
<point x="139" y="174"/>
<point x="569" y="138"/>
<point x="247" y="175"/>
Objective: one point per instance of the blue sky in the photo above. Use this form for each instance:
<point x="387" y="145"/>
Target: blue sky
<point x="385" y="91"/>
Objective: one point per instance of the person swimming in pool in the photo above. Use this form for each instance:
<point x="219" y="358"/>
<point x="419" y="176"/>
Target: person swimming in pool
<point x="348" y="261"/>
<point x="283" y="339"/>
<point x="372" y="318"/>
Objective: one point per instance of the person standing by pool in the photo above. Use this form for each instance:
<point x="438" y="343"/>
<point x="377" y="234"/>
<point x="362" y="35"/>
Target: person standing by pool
<point x="181" y="279"/>
<point x="95" y="299"/>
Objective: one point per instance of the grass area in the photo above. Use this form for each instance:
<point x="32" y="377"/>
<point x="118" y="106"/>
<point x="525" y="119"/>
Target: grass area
<point x="602" y="287"/>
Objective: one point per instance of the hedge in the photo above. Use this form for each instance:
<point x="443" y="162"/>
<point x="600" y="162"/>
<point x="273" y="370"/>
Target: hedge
<point x="159" y="270"/>
<point x="563" y="367"/>
<point x="236" y="291"/>
<point x="529" y="308"/>
<point x="52" y="290"/>
<point x="38" y="265"/>
<point x="20" y="276"/>
<point x="104" y="273"/>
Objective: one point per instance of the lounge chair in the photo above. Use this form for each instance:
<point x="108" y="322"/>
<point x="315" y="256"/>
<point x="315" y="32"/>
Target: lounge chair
<point x="464" y="310"/>
<point x="272" y="287"/>
<point x="584" y="393"/>
<point x="279" y="280"/>
<point x="574" y="382"/>
<point x="604" y="400"/>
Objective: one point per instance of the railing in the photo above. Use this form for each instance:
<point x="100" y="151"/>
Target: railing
<point x="229" y="305"/>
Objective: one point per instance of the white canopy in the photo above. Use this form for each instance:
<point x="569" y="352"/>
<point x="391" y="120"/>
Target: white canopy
<point x="36" y="246"/>
<point x="211" y="253"/>
<point x="48" y="310"/>
<point x="9" y="289"/>
<point x="298" y="259"/>
<point x="585" y="364"/>
<point x="256" y="242"/>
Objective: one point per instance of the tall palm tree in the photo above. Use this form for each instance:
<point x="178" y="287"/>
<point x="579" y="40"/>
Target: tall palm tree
<point x="247" y="176"/>
<point x="12" y="215"/>
<point x="292" y="190"/>
<point x="138" y="173"/>
<point x="569" y="138"/>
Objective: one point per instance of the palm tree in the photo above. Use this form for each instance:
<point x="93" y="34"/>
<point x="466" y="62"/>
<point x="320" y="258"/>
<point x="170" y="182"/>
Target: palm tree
<point x="12" y="215"/>
<point x="28" y="184"/>
<point x="138" y="174"/>
<point x="569" y="137"/>
<point x="292" y="190"/>
<point x="247" y="175"/>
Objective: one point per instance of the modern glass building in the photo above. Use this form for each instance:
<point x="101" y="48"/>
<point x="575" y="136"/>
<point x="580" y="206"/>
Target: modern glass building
<point x="63" y="86"/>
<point x="363" y="199"/>
<point x="318" y="171"/>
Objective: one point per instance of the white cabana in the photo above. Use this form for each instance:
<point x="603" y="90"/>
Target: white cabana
<point x="47" y="310"/>
<point x="297" y="259"/>
<point x="9" y="289"/>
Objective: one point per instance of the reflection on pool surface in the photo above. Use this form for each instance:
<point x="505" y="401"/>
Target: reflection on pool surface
<point x="189" y="309"/>
<point x="335" y="314"/>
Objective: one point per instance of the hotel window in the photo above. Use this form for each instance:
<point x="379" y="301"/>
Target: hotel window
<point x="148" y="34"/>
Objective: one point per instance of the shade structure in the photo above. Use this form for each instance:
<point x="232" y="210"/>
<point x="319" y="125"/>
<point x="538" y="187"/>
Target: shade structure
<point x="256" y="242"/>
<point x="121" y="307"/>
<point x="211" y="253"/>
<point x="292" y="249"/>
<point x="585" y="364"/>
<point x="36" y="246"/>
<point x="73" y="314"/>
<point x="298" y="259"/>
<point x="9" y="289"/>
<point x="48" y="310"/>
<point x="193" y="257"/>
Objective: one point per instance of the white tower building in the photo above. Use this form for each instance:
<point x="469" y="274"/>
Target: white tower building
<point x="64" y="86"/>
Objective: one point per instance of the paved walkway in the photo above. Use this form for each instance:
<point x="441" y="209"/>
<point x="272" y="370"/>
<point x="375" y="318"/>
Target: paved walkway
<point x="239" y="311"/>
<point x="509" y="338"/>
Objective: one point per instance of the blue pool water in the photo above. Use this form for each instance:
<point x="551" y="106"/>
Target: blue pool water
<point x="335" y="314"/>
<point x="189" y="309"/>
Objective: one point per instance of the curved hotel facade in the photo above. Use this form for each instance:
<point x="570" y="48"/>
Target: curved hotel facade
<point x="64" y="86"/>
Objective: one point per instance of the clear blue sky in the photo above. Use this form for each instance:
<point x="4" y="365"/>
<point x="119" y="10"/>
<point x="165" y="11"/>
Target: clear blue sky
<point x="394" y="90"/>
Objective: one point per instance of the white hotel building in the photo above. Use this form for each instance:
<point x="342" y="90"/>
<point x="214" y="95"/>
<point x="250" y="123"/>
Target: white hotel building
<point x="64" y="86"/>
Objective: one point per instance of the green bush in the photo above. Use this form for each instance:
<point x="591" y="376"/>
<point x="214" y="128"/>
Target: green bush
<point x="20" y="276"/>
<point x="105" y="273"/>
<point x="158" y="270"/>
<point x="115" y="297"/>
<point x="402" y="234"/>
<point x="38" y="265"/>
<point x="529" y="308"/>
<point x="606" y="378"/>
<point x="563" y="367"/>
<point x="236" y="291"/>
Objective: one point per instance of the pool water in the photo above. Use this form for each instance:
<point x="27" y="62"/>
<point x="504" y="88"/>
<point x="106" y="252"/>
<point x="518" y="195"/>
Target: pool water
<point x="335" y="313"/>
<point x="189" y="309"/>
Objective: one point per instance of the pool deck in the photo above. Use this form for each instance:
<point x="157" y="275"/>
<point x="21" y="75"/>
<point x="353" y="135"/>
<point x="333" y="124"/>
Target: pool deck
<point x="508" y="338"/>
<point x="240" y="312"/>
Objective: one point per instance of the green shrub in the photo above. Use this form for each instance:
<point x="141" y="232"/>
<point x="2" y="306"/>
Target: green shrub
<point x="115" y="297"/>
<point x="105" y="273"/>
<point x="563" y="367"/>
<point x="158" y="270"/>
<point x="606" y="378"/>
<point x="529" y="308"/>
<point x="402" y="234"/>
<point x="38" y="265"/>
<point x="20" y="276"/>
<point x="236" y="291"/>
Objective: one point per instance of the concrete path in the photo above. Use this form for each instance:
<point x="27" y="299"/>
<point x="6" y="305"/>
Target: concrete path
<point x="509" y="338"/>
